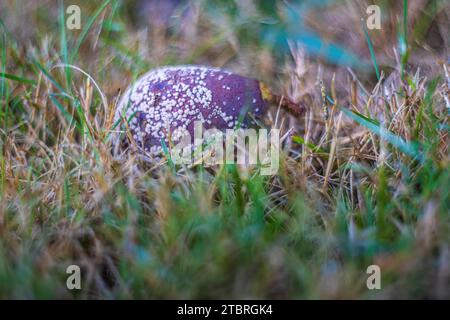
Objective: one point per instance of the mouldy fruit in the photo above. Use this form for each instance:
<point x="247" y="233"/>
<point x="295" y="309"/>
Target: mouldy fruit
<point x="168" y="100"/>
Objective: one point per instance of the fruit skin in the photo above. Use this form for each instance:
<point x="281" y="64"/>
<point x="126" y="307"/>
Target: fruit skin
<point x="166" y="100"/>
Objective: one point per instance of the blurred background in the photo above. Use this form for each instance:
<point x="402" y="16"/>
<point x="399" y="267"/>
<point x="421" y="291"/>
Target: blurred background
<point x="256" y="38"/>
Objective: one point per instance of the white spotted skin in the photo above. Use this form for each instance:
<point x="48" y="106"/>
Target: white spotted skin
<point x="165" y="101"/>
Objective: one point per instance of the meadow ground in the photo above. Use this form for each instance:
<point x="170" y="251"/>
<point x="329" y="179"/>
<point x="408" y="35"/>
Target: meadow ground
<point x="364" y="174"/>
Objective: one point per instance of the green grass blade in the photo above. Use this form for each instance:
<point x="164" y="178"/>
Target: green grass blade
<point x="86" y="29"/>
<point x="4" y="85"/>
<point x="63" y="110"/>
<point x="404" y="39"/>
<point x="410" y="148"/>
<point x="63" y="42"/>
<point x="310" y="145"/>
<point x="47" y="74"/>
<point x="372" y="52"/>
<point x="168" y="156"/>
<point x="17" y="78"/>
<point x="405" y="19"/>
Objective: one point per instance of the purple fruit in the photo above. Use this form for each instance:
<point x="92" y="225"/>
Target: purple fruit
<point x="167" y="100"/>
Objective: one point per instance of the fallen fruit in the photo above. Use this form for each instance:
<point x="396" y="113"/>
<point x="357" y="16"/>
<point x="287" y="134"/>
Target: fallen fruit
<point x="168" y="100"/>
